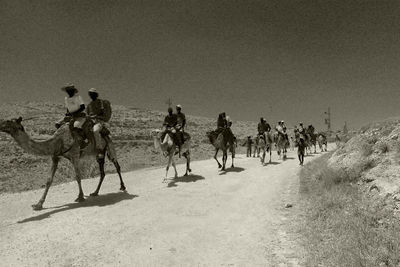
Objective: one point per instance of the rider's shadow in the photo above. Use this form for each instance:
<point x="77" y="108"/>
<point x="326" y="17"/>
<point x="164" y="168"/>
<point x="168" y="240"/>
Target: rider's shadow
<point x="191" y="178"/>
<point x="99" y="201"/>
<point x="234" y="169"/>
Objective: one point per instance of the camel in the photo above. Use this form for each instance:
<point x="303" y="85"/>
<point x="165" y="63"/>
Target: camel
<point x="265" y="145"/>
<point x="61" y="144"/>
<point x="219" y="143"/>
<point x="322" y="142"/>
<point x="256" y="147"/>
<point x="168" y="148"/>
<point x="311" y="141"/>
<point x="281" y="145"/>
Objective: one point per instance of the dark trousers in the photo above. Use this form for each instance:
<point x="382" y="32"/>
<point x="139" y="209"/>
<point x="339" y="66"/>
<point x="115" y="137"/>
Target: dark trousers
<point x="249" y="151"/>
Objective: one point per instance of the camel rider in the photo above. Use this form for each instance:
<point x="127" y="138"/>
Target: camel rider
<point x="279" y="128"/>
<point x="75" y="115"/>
<point x="180" y="126"/>
<point x="228" y="122"/>
<point x="284" y="130"/>
<point x="229" y="134"/>
<point x="95" y="110"/>
<point x="263" y="127"/>
<point x="302" y="131"/>
<point x="170" y="123"/>
<point x="222" y="122"/>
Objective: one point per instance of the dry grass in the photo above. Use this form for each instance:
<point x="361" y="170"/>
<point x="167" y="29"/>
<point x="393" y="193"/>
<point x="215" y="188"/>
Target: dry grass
<point x="342" y="226"/>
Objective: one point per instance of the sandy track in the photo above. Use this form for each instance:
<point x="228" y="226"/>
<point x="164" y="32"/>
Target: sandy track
<point x="213" y="218"/>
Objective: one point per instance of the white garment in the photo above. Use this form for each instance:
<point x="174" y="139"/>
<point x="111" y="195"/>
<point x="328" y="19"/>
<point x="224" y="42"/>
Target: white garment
<point x="73" y="103"/>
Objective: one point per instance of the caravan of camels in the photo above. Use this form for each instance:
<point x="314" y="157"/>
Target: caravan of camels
<point x="83" y="139"/>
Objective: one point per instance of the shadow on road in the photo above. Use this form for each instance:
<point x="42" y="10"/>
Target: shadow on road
<point x="272" y="163"/>
<point x="99" y="201"/>
<point x="234" y="169"/>
<point x="185" y="179"/>
<point x="290" y="158"/>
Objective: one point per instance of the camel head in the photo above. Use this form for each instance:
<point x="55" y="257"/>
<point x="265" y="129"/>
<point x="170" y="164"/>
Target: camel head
<point x="155" y="133"/>
<point x="11" y="126"/>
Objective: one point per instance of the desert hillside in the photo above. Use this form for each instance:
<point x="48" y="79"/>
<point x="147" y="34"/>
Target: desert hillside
<point x="372" y="158"/>
<point x="351" y="201"/>
<point x="130" y="128"/>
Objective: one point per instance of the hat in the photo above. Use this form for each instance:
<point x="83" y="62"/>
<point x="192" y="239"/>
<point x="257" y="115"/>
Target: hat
<point x="69" y="86"/>
<point x="179" y="106"/>
<point x="93" y="90"/>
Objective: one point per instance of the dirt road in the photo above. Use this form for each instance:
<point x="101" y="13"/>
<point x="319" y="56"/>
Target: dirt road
<point x="233" y="218"/>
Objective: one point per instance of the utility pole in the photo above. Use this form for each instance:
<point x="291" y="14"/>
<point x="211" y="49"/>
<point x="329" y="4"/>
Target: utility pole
<point x="169" y="102"/>
<point x="328" y="119"/>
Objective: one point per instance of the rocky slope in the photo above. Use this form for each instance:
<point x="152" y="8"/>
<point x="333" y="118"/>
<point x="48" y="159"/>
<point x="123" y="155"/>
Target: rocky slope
<point x="372" y="159"/>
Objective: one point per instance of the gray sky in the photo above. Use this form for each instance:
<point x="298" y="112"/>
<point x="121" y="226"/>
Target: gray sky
<point x="280" y="59"/>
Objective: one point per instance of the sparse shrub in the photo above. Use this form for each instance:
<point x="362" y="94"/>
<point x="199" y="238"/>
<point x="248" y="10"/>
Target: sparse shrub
<point x="383" y="147"/>
<point x="366" y="149"/>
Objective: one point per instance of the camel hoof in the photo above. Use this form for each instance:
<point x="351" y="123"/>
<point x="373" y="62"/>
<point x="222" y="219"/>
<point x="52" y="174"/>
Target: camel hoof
<point x="190" y="170"/>
<point x="122" y="188"/>
<point x="219" y="166"/>
<point x="80" y="199"/>
<point x="94" y="194"/>
<point x="37" y="206"/>
<point x="186" y="174"/>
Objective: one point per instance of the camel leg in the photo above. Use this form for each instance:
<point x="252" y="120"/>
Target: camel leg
<point x="270" y="155"/>
<point x="78" y="175"/>
<point x="54" y="166"/>
<point x="233" y="157"/>
<point x="215" y="157"/>
<point x="187" y="156"/>
<point x="102" y="175"/>
<point x="118" y="168"/>
<point x="169" y="164"/>
<point x="174" y="165"/>
<point x="224" y="158"/>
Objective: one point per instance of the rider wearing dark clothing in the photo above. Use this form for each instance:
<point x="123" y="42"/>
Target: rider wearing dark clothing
<point x="248" y="143"/>
<point x="221" y="122"/>
<point x="263" y="127"/>
<point x="170" y="122"/>
<point x="180" y="126"/>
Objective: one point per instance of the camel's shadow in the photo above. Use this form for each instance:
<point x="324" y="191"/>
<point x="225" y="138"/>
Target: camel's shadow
<point x="191" y="178"/>
<point x="99" y="201"/>
<point x="272" y="163"/>
<point x="234" y="169"/>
